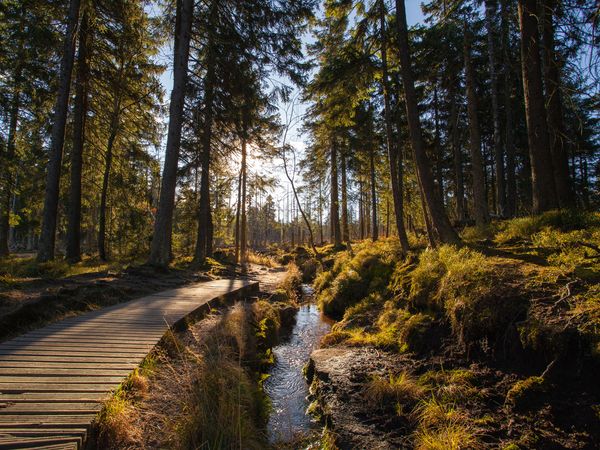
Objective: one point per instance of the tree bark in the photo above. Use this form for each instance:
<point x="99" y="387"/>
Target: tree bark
<point x="345" y="225"/>
<point x="459" y="183"/>
<point x="479" y="197"/>
<point x="322" y="240"/>
<point x="114" y="129"/>
<point x="490" y="16"/>
<point x="48" y="232"/>
<point x="336" y="234"/>
<point x="556" y="129"/>
<point x="394" y="160"/>
<point x="243" y="223"/>
<point x="439" y="220"/>
<point x="439" y="173"/>
<point x="375" y="231"/>
<point x="79" y="121"/>
<point x="542" y="175"/>
<point x="160" y="254"/>
<point x="237" y="218"/>
<point x="511" y="179"/>
<point x="5" y="206"/>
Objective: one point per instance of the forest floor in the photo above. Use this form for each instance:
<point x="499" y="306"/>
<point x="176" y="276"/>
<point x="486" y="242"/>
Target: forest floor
<point x="492" y="345"/>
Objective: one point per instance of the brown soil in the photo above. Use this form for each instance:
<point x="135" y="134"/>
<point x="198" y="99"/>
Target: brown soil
<point x="563" y="419"/>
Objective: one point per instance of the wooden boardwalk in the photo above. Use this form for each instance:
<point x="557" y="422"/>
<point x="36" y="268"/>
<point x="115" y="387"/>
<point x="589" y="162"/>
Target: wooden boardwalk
<point x="53" y="380"/>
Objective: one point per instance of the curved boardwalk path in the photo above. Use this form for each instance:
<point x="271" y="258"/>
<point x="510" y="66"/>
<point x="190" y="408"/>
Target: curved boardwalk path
<point x="53" y="380"/>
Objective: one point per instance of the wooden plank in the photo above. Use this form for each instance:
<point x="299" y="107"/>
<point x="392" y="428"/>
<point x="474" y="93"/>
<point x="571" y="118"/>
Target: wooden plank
<point x="20" y="442"/>
<point x="55" y="397"/>
<point x="59" y="372"/>
<point x="64" y="365"/>
<point x="83" y="350"/>
<point x="11" y="388"/>
<point x="46" y="421"/>
<point x="56" y="408"/>
<point x="65" y="379"/>
<point x="9" y="359"/>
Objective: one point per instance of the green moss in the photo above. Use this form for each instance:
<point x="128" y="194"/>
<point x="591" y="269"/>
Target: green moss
<point x="527" y="394"/>
<point x="355" y="277"/>
<point x="511" y="446"/>
<point x="521" y="229"/>
<point x="418" y="333"/>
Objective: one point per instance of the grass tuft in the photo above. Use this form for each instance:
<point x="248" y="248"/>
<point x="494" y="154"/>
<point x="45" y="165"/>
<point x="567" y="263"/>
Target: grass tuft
<point x="402" y="388"/>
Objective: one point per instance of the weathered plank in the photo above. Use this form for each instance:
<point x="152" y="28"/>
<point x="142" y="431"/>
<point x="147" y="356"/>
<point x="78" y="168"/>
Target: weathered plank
<point x="53" y="380"/>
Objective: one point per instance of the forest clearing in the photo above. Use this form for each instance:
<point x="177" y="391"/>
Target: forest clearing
<point x="300" y="224"/>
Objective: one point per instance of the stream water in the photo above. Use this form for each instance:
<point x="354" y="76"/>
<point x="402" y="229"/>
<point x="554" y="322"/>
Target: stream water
<point x="286" y="386"/>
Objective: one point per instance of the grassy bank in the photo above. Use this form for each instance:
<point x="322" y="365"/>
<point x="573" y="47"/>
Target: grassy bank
<point x="512" y="318"/>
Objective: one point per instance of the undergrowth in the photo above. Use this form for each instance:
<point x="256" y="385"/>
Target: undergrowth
<point x="522" y="292"/>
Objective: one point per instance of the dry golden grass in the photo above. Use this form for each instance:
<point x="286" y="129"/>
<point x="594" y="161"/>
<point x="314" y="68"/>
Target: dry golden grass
<point x="401" y="388"/>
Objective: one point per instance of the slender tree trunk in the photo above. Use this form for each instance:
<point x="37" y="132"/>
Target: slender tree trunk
<point x="160" y="254"/>
<point x="439" y="220"/>
<point x="542" y="174"/>
<point x="479" y="197"/>
<point x="243" y="222"/>
<point x="7" y="181"/>
<point x="511" y="180"/>
<point x="203" y="243"/>
<point x="336" y="234"/>
<point x="375" y="231"/>
<point x="490" y="16"/>
<point x="439" y="173"/>
<point x="79" y="121"/>
<point x="321" y="212"/>
<point x="48" y="233"/>
<point x="114" y="129"/>
<point x="361" y="210"/>
<point x="345" y="226"/>
<point x="459" y="184"/>
<point x="6" y="172"/>
<point x="392" y="147"/>
<point x="237" y="217"/>
<point x="556" y="129"/>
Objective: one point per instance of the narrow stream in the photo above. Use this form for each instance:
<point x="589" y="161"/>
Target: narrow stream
<point x="286" y="386"/>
